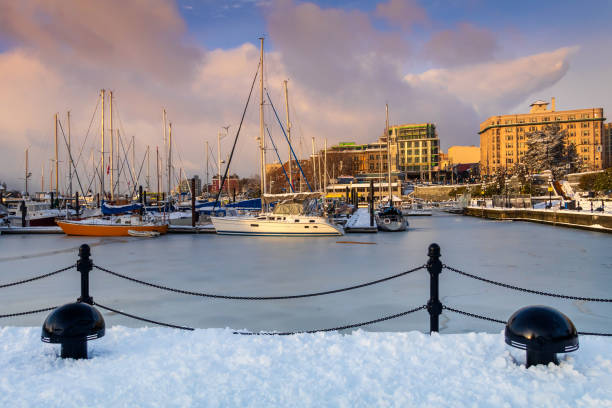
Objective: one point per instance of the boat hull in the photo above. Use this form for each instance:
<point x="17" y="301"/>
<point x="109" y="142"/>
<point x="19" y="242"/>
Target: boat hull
<point x="255" y="226"/>
<point x="391" y="226"/>
<point x="103" y="230"/>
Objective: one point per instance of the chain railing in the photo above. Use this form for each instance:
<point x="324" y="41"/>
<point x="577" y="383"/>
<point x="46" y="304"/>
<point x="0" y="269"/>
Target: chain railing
<point x="434" y="306"/>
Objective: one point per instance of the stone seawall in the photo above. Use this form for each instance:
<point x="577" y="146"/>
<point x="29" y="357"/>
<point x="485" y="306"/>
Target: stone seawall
<point x="591" y="221"/>
<point x="435" y="193"/>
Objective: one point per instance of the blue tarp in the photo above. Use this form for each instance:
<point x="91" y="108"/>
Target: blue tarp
<point x="252" y="204"/>
<point x="119" y="209"/>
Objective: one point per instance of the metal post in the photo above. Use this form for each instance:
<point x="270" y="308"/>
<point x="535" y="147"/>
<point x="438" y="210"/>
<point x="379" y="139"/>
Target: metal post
<point x="371" y="203"/>
<point x="193" y="211"/>
<point x="85" y="265"/>
<point x="52" y="199"/>
<point x="434" y="267"/>
<point x="24" y="212"/>
<point x="76" y="204"/>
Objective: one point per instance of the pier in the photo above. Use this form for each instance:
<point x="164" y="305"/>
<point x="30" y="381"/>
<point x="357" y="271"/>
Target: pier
<point x="592" y="221"/>
<point x="360" y="222"/>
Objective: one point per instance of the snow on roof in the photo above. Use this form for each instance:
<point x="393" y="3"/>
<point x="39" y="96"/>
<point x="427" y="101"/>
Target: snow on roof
<point x="214" y="367"/>
<point x="539" y="102"/>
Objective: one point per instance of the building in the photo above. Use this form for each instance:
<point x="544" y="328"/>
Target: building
<point x="185" y="185"/>
<point x="503" y="140"/>
<point x="231" y="184"/>
<point x="414" y="149"/>
<point x="463" y="154"/>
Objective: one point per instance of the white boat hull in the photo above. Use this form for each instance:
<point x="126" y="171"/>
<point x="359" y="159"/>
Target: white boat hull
<point x="391" y="226"/>
<point x="295" y="226"/>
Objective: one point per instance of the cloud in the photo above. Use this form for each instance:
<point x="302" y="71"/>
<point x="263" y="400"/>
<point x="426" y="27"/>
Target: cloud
<point x="402" y="13"/>
<point x="493" y="87"/>
<point x="466" y="45"/>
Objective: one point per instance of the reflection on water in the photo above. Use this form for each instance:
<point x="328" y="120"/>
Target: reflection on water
<point x="536" y="256"/>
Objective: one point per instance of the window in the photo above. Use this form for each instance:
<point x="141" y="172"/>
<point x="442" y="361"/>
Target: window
<point x="558" y="118"/>
<point x="509" y="145"/>
<point x="546" y="119"/>
<point x="424" y="152"/>
<point x="509" y="161"/>
<point x="509" y="153"/>
<point x="585" y="149"/>
<point x="509" y="137"/>
<point x="508" y="130"/>
<point x="521" y="121"/>
<point x="571" y="117"/>
<point x="585" y="124"/>
<point x="585" y="133"/>
<point x="585" y="116"/>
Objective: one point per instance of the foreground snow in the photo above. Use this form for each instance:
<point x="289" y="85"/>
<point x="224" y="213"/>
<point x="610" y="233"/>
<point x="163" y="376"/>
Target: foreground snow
<point x="213" y="367"/>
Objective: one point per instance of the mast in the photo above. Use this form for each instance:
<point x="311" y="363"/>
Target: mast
<point x="148" y="169"/>
<point x="288" y="135"/>
<point x="262" y="140"/>
<point x="157" y="169"/>
<point x="42" y="177"/>
<point x="102" y="134"/>
<point x="314" y="165"/>
<point x="165" y="145"/>
<point x="134" y="164"/>
<point x="219" y="161"/>
<point x="50" y="175"/>
<point x="207" y="166"/>
<point x="56" y="162"/>
<point x="69" y="157"/>
<point x="388" y="153"/>
<point x="325" y="167"/>
<point x="26" y="173"/>
<point x="169" y="158"/>
<point x="112" y="151"/>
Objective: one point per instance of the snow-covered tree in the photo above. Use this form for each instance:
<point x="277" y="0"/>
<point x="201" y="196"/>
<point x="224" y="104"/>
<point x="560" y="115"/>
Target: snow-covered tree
<point x="549" y="149"/>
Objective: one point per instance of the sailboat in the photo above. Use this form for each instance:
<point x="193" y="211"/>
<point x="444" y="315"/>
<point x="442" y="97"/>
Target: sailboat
<point x="390" y="218"/>
<point x="295" y="214"/>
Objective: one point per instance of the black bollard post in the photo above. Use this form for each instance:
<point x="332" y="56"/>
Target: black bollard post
<point x="24" y="213"/>
<point x="77" y="206"/>
<point x="434" y="267"/>
<point x="85" y="265"/>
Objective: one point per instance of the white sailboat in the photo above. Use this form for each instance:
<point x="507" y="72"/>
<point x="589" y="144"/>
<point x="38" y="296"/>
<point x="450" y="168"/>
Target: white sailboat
<point x="390" y="218"/>
<point x="295" y="214"/>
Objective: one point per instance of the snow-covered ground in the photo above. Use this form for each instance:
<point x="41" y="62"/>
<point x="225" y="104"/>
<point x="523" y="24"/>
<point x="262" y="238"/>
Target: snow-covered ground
<point x="360" y="219"/>
<point x="213" y="367"/>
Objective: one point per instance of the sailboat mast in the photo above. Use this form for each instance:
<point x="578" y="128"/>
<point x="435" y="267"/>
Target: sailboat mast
<point x="112" y="150"/>
<point x="207" y="166"/>
<point x="325" y="167"/>
<point x="102" y="134"/>
<point x="148" y="169"/>
<point x="169" y="158"/>
<point x="388" y="153"/>
<point x="314" y="166"/>
<point x="56" y="161"/>
<point x="69" y="157"/>
<point x="42" y="178"/>
<point x="26" y="172"/>
<point x="288" y="135"/>
<point x="262" y="140"/>
<point x="165" y="145"/>
<point x="134" y="163"/>
<point x="157" y="168"/>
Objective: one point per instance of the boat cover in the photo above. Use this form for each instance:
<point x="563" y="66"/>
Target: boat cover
<point x="108" y="209"/>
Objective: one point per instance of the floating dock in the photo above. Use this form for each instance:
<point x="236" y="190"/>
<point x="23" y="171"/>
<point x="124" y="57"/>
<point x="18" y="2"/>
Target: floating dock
<point x="360" y="222"/>
<point x="188" y="229"/>
<point x="30" y="230"/>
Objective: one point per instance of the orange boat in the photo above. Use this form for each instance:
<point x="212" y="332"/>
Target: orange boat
<point x="114" y="227"/>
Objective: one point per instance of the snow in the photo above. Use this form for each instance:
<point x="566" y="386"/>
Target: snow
<point x="214" y="367"/>
<point x="360" y="219"/>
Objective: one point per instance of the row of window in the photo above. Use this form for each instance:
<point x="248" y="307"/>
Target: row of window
<point x="535" y="119"/>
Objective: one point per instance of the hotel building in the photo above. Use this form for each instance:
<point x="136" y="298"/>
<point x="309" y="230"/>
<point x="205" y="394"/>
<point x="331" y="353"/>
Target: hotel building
<point x="503" y="138"/>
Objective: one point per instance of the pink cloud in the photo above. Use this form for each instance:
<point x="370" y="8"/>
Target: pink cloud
<point x="402" y="13"/>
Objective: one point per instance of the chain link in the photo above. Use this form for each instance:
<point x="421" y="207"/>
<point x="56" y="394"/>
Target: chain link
<point x="46" y="275"/>
<point x="28" y="313"/>
<point x="537" y="292"/>
<point x="208" y="295"/>
<point x="350" y="326"/>
<point x="110" y="309"/>
<point x="473" y="315"/>
<point x="595" y="334"/>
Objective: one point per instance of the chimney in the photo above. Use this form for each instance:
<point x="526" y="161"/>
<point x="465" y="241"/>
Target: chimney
<point x="552" y="102"/>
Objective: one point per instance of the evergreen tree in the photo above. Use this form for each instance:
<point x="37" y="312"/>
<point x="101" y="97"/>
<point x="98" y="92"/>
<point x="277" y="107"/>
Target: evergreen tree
<point x="548" y="149"/>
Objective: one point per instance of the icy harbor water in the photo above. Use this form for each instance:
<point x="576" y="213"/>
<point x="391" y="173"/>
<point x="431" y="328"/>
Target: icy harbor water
<point x="539" y="257"/>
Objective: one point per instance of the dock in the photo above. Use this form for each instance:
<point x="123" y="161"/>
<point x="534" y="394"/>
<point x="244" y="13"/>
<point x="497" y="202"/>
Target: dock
<point x="188" y="229"/>
<point x="30" y="230"/>
<point x="360" y="222"/>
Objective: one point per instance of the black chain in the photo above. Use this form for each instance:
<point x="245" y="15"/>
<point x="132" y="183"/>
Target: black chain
<point x="110" y="309"/>
<point x="46" y="275"/>
<point x="349" y="326"/>
<point x="473" y="315"/>
<point x="537" y="292"/>
<point x="594" y="334"/>
<point x="186" y="292"/>
<point x="27" y="313"/>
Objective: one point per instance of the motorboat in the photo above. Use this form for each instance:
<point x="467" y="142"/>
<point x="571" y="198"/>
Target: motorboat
<point x="390" y="219"/>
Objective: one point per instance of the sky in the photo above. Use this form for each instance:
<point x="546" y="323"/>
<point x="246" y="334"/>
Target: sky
<point x="451" y="62"/>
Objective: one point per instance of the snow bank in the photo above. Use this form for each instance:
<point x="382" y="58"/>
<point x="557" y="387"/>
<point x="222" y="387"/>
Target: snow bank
<point x="213" y="367"/>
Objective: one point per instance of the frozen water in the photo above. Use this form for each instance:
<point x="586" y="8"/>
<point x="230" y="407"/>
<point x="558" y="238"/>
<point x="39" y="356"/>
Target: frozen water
<point x="536" y="256"/>
<point x="213" y="367"/>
